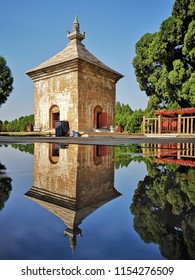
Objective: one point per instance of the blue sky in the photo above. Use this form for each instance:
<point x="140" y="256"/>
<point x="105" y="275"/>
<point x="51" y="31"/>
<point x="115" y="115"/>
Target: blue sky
<point x="34" y="30"/>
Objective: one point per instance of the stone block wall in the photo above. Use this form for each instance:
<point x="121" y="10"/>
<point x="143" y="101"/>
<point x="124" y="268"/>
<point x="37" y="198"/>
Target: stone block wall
<point x="59" y="90"/>
<point x="96" y="88"/>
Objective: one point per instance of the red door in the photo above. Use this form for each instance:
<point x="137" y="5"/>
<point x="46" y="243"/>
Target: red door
<point x="104" y="120"/>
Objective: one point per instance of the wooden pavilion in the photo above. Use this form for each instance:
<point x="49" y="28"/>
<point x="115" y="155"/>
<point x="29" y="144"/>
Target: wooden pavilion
<point x="178" y="121"/>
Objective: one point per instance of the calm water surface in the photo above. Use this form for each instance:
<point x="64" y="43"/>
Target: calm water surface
<point x="97" y="202"/>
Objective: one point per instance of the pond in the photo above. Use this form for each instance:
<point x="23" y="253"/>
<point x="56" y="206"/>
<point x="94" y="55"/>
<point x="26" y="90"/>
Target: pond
<point x="79" y="202"/>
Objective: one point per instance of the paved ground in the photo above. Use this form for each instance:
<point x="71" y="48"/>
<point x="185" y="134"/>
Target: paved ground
<point x="96" y="140"/>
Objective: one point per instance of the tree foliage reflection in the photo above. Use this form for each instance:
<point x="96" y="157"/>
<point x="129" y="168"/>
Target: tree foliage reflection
<point x="27" y="148"/>
<point x="5" y="186"/>
<point x="126" y="154"/>
<point x="164" y="209"/>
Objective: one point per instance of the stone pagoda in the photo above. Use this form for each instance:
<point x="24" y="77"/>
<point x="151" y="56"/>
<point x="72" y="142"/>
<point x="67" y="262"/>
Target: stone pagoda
<point x="74" y="86"/>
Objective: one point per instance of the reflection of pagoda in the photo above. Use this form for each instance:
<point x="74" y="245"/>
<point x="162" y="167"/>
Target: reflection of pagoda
<point x="72" y="182"/>
<point x="178" y="153"/>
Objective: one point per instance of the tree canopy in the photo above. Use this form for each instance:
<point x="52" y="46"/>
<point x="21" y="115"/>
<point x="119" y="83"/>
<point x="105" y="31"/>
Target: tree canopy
<point x="6" y="81"/>
<point x="165" y="61"/>
<point x="17" y="124"/>
<point x="125" y="116"/>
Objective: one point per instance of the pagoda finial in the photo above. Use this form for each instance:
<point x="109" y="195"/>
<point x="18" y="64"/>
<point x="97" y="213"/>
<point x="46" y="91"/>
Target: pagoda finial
<point x="72" y="233"/>
<point x="76" y="26"/>
<point x="76" y="32"/>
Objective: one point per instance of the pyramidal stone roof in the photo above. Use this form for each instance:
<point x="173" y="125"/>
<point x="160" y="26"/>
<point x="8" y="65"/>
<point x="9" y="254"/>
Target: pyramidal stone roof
<point x="74" y="50"/>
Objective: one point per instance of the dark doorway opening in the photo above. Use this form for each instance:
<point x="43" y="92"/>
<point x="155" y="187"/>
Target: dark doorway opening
<point x="54" y="115"/>
<point x="100" y="118"/>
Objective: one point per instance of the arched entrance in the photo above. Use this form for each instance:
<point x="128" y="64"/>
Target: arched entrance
<point x="53" y="153"/>
<point x="100" y="118"/>
<point x="54" y="115"/>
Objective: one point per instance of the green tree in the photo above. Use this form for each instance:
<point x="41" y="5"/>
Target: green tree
<point x="131" y="120"/>
<point x="18" y="124"/>
<point x="134" y="121"/>
<point x="6" y="81"/>
<point x="123" y="111"/>
<point x="164" y="62"/>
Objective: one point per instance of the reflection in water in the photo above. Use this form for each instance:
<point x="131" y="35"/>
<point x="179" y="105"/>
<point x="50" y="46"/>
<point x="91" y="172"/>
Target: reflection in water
<point x="72" y="182"/>
<point x="179" y="153"/>
<point x="164" y="202"/>
<point x="5" y="186"/>
<point x="27" y="148"/>
<point x="126" y="154"/>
